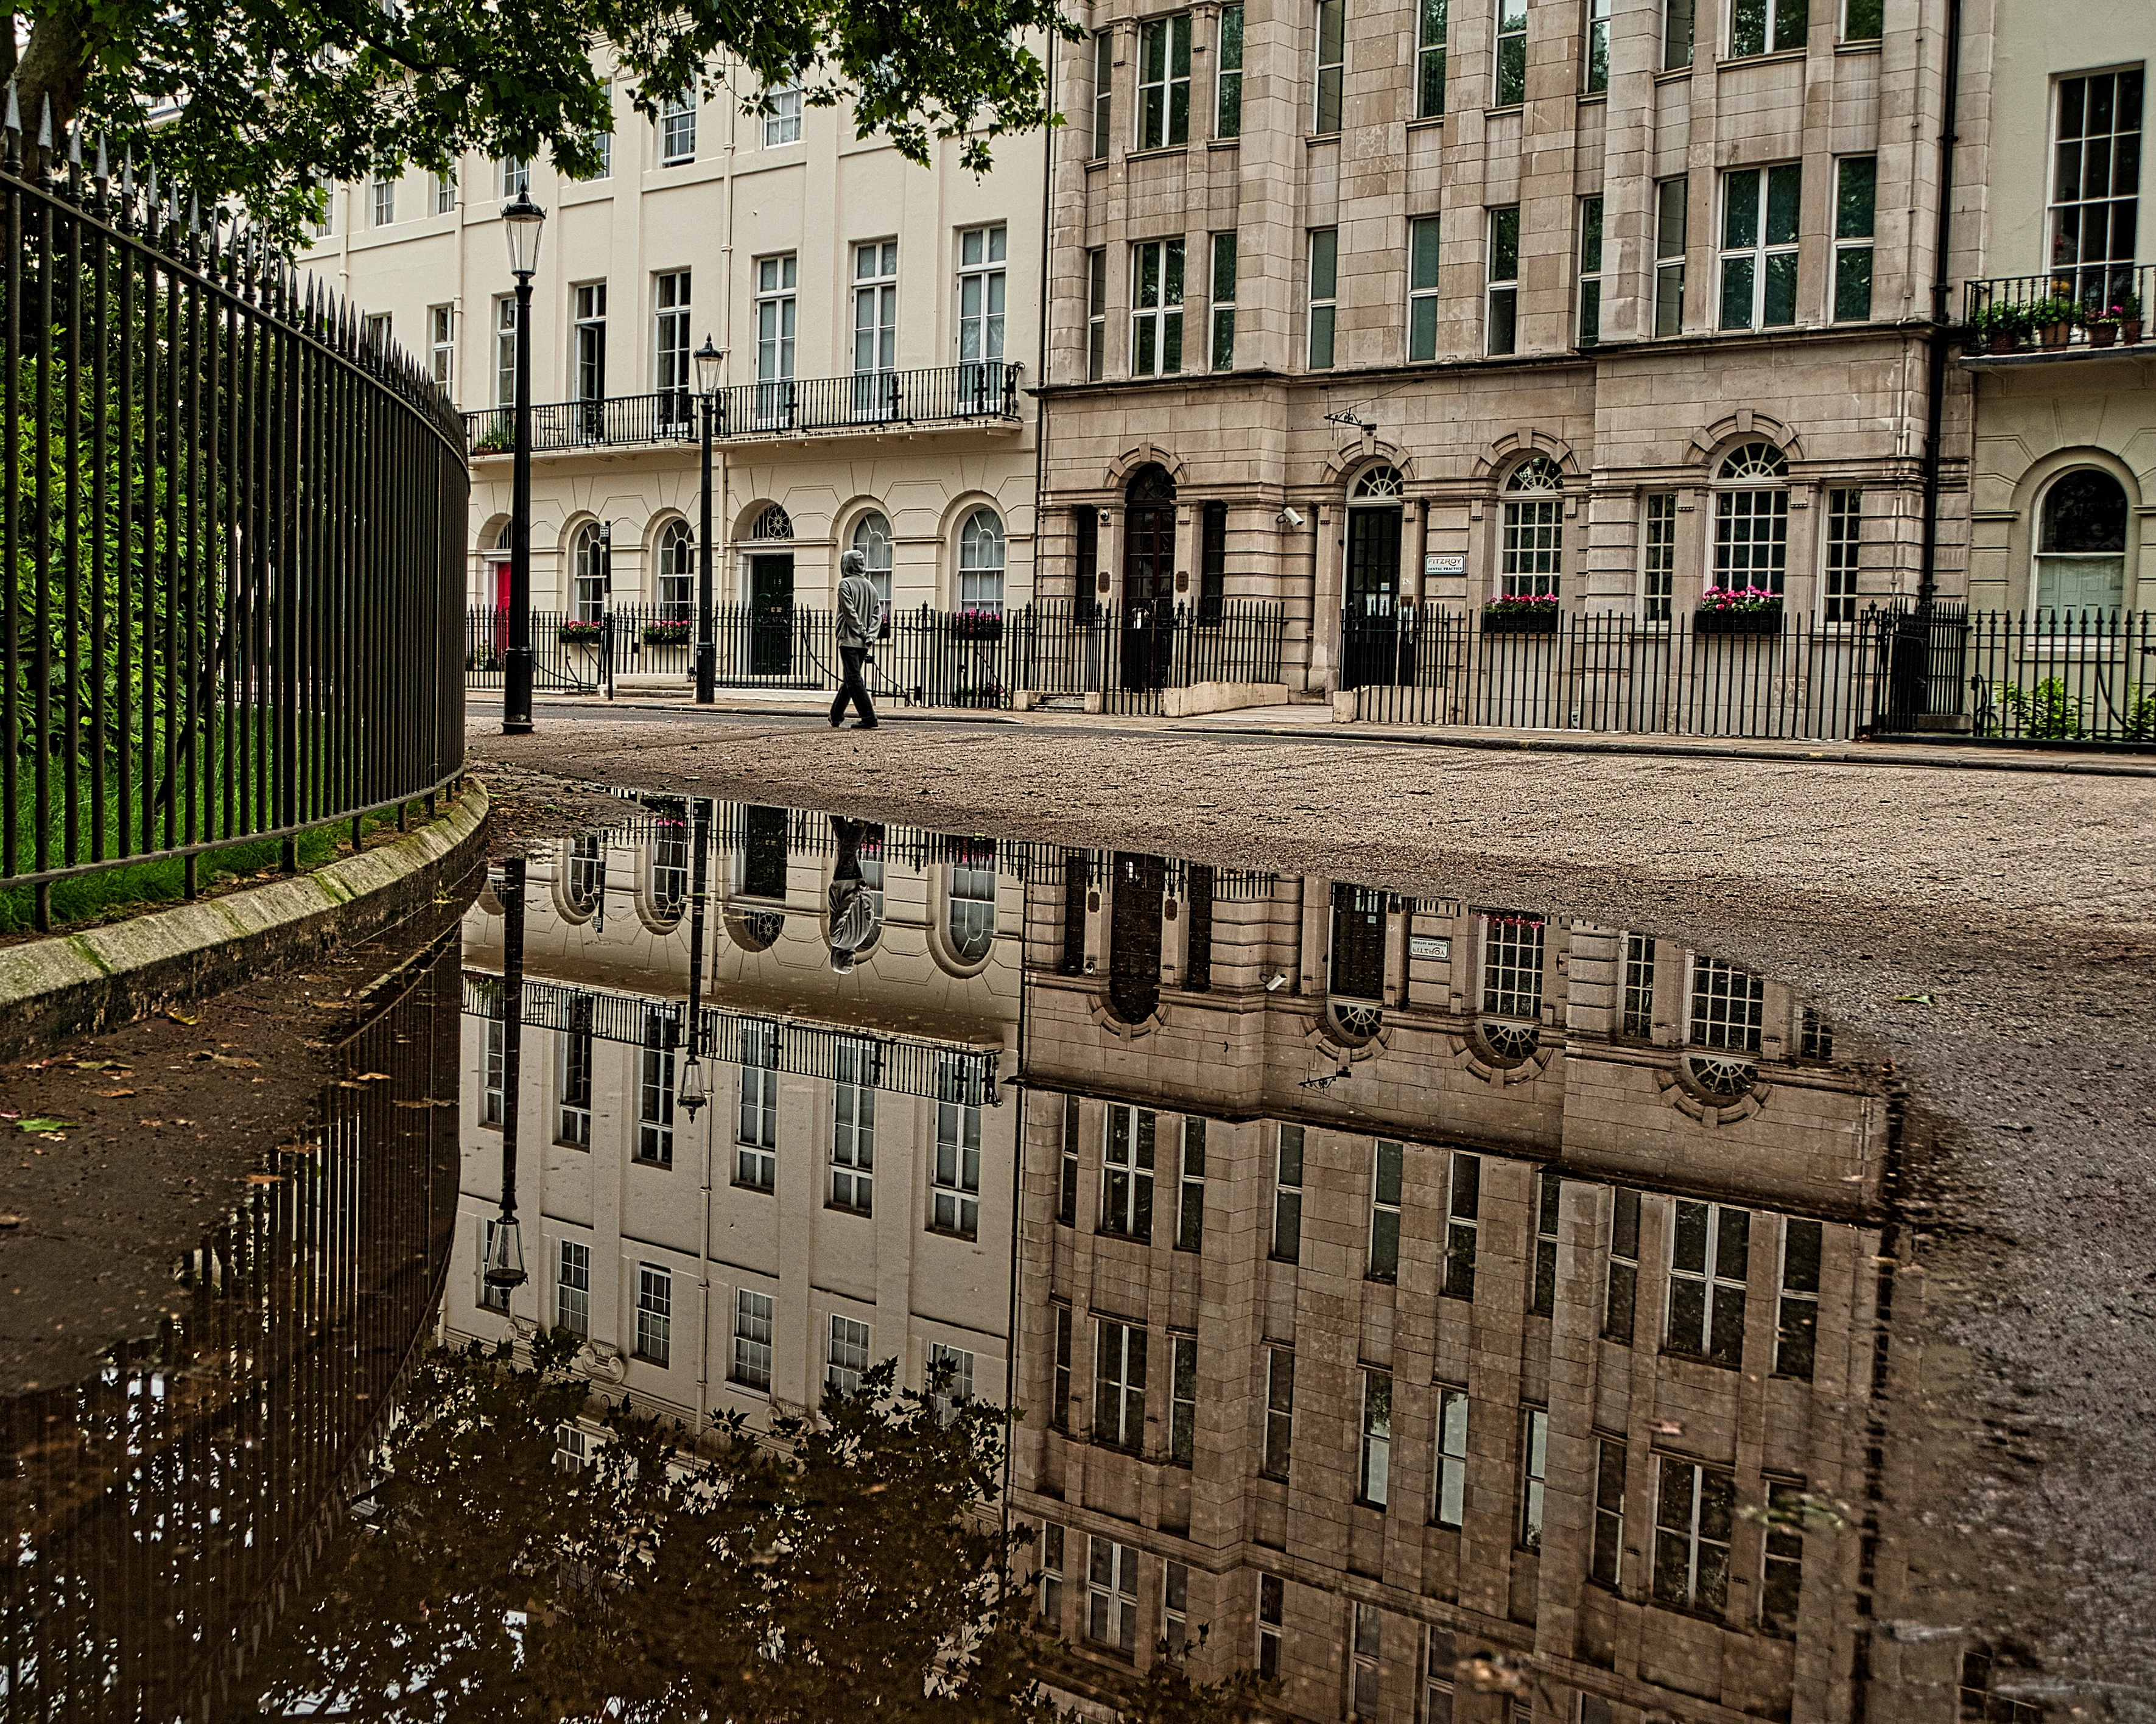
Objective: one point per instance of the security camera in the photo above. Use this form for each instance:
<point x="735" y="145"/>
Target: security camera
<point x="1106" y="519"/>
<point x="1289" y="517"/>
<point x="1275" y="983"/>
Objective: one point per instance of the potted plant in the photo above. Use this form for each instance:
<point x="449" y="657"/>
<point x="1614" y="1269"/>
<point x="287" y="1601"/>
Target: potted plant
<point x="581" y="633"/>
<point x="1738" y="610"/>
<point x="668" y="631"/>
<point x="499" y="439"/>
<point x="2126" y="307"/>
<point x="2001" y="328"/>
<point x="1521" y="613"/>
<point x="2054" y="319"/>
<point x="2102" y="323"/>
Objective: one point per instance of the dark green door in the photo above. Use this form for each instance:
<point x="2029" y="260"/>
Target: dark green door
<point x="1369" y="620"/>
<point x="771" y="615"/>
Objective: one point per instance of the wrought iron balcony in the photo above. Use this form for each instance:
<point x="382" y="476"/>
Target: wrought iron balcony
<point x="865" y="403"/>
<point x="2074" y="307"/>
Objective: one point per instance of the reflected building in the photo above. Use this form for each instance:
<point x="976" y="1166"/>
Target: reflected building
<point x="846" y="1194"/>
<point x="1407" y="1281"/>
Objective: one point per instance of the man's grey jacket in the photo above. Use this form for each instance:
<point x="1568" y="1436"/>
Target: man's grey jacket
<point x="858" y="611"/>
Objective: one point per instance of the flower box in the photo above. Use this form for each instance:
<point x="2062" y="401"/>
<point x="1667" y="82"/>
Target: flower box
<point x="977" y="625"/>
<point x="581" y="633"/>
<point x="1710" y="620"/>
<point x="666" y="634"/>
<point x="1541" y="619"/>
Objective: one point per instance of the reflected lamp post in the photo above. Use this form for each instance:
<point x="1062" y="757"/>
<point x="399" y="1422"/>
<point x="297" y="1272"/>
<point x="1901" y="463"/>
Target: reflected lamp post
<point x="505" y="1252"/>
<point x="521" y="220"/>
<point x="691" y="1094"/>
<point x="708" y="360"/>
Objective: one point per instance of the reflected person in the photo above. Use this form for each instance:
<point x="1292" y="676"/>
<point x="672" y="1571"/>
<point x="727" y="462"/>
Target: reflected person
<point x="860" y="618"/>
<point x="856" y="915"/>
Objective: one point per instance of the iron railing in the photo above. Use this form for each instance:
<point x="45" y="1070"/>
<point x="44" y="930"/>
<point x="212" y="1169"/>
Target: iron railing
<point x="1798" y="680"/>
<point x="985" y="390"/>
<point x="234" y="537"/>
<point x="926" y="657"/>
<point x="2075" y="306"/>
<point x="2059" y="677"/>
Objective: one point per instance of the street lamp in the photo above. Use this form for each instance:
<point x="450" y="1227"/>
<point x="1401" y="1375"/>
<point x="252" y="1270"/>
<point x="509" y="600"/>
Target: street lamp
<point x="708" y="360"/>
<point x="505" y="1251"/>
<point x="521" y="220"/>
<point x="691" y="1093"/>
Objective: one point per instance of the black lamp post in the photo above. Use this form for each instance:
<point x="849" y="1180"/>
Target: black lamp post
<point x="708" y="360"/>
<point x="505" y="1252"/>
<point x="692" y="1093"/>
<point x="521" y="220"/>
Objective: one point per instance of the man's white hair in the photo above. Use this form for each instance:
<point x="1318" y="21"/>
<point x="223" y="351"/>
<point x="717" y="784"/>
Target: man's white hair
<point x="852" y="563"/>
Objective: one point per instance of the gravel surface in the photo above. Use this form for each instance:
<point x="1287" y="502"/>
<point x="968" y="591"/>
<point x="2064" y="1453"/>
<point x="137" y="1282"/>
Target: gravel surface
<point x="1993" y="933"/>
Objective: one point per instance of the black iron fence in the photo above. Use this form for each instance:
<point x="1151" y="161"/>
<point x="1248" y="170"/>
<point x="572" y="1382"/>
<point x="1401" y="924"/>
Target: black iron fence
<point x="234" y="535"/>
<point x="2034" y="676"/>
<point x="1797" y="679"/>
<point x="977" y="657"/>
<point x="942" y="394"/>
<point x="2093" y="304"/>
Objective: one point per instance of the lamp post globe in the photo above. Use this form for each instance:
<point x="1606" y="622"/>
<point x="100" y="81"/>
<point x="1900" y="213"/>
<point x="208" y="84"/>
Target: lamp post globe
<point x="522" y="222"/>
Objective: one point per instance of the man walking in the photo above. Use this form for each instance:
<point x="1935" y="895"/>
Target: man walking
<point x="860" y="618"/>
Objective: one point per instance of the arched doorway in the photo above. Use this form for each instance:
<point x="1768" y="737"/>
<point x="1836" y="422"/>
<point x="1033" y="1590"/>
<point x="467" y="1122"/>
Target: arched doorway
<point x="771" y="594"/>
<point x="1148" y="577"/>
<point x="1369" y="620"/>
<point x="1136" y="889"/>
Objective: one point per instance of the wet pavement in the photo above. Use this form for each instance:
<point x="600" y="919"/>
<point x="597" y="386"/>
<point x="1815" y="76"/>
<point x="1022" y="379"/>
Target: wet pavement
<point x="770" y="1264"/>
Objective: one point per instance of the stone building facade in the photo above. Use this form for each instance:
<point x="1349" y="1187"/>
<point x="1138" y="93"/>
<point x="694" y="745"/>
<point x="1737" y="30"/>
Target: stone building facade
<point x="878" y="321"/>
<point x="2063" y="485"/>
<point x="1370" y="308"/>
<point x="1498" y="1289"/>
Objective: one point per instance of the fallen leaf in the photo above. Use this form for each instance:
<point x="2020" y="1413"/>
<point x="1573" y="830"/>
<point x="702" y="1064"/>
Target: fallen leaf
<point x="369" y="1077"/>
<point x="1912" y="1000"/>
<point x="102" y="1065"/>
<point x="110" y="1094"/>
<point x="179" y="1016"/>
<point x="265" y="1178"/>
<point x="231" y="1059"/>
<point x="54" y="1137"/>
<point x="149" y="1122"/>
<point x="45" y="1127"/>
<point x="11" y="1221"/>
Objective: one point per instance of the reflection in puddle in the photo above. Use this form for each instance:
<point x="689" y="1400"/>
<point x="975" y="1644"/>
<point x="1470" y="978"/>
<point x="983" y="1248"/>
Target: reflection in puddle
<point x="1419" y="1309"/>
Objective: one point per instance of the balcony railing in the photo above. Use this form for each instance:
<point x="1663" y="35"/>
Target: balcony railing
<point x="2076" y="305"/>
<point x="985" y="391"/>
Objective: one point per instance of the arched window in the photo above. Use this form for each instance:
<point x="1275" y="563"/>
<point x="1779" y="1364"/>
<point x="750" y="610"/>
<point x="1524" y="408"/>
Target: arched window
<point x="773" y="523"/>
<point x="1752" y="519"/>
<point x="584" y="875"/>
<point x="1531" y="556"/>
<point x="973" y="909"/>
<point x="501" y="538"/>
<point x="981" y="563"/>
<point x="2081" y="543"/>
<point x="676" y="588"/>
<point x="588" y="603"/>
<point x="872" y="538"/>
<point x="1379" y="483"/>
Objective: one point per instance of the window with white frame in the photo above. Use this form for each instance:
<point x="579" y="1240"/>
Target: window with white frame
<point x="1183" y="1399"/>
<point x="377" y="328"/>
<point x="1097" y="313"/>
<point x="2095" y="184"/>
<point x="1449" y="1500"/>
<point x="1287" y="1195"/>
<point x="1672" y="215"/>
<point x="655" y="1089"/>
<point x="572" y="1124"/>
<point x="1430" y="27"/>
<point x="2081" y="543"/>
<point x="1844" y="546"/>
<point x="1759" y="216"/>
<point x="1607" y="1562"/>
<point x="1679" y="18"/>
<point x="1510" y="82"/>
<point x="677" y="588"/>
<point x="1052" y="1575"/>
<point x="776" y="308"/>
<point x="1059" y="1408"/>
<point x="1119" y="1384"/>
<point x="1728" y="1006"/>
<point x="955" y="1197"/>
<point x="1423" y="303"/>
<point x="1597" y="66"/>
<point x="1637" y="1006"/>
<point x="1549" y="1194"/>
<point x="602" y="143"/>
<point x="751" y="1366"/>
<point x="781" y="122"/>
<point x="950" y="1379"/>
<point x="980" y="588"/>
<point x="670" y="343"/>
<point x="1332" y="64"/>
<point x="1385" y="1212"/>
<point x="756" y="1132"/>
<point x="1175" y="1606"/>
<point x="1112" y="1595"/>
<point x="1590" y="271"/>
<point x="1363" y="1660"/>
<point x="1373" y="1477"/>
<point x="1796" y="1325"/>
<point x="442" y="344"/>
<point x="1127" y="1171"/>
<point x="875" y="326"/>
<point x="1190" y="1209"/>
<point x="853" y="1127"/>
<point x="1658" y="562"/>
<point x="1752" y="519"/>
<point x="1695" y="1507"/>
<point x="1709" y="1256"/>
<point x="512" y="175"/>
<point x="504" y="350"/>
<point x="677" y="128"/>
<point x="1782" y="1558"/>
<point x="382" y="202"/>
<point x="1501" y="317"/>
<point x="445" y="192"/>
<point x="1272" y="1611"/>
<point x="846" y="1355"/>
<point x="1856" y="208"/>
<point x="1512" y="959"/>
<point x="981" y="261"/>
<point x="1767" y="26"/>
<point x="1534" y="1474"/>
<point x="1863" y="20"/>
<point x="572" y="1288"/>
<point x="588" y="339"/>
<point x="490" y="1081"/>
<point x="1104" y="61"/>
<point x="587" y="568"/>
<point x="1155" y="307"/>
<point x="871" y="537"/>
<point x="1164" y="81"/>
<point x="1228" y="75"/>
<point x="1621" y="1294"/>
<point x="655" y="1313"/>
<point x="1279" y="1412"/>
<point x="1463" y="1225"/>
<point x="1440" y="1658"/>
<point x="1324" y="295"/>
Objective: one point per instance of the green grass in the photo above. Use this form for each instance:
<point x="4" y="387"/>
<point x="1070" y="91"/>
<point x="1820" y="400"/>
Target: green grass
<point x="130" y="887"/>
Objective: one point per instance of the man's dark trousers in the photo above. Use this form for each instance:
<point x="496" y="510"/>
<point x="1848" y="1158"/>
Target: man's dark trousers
<point x="851" y="687"/>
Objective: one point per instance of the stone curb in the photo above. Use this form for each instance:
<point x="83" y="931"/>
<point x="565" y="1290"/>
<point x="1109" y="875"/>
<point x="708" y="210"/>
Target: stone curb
<point x="78" y="984"/>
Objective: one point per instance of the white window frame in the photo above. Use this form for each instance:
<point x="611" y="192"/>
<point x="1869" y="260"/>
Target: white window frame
<point x="782" y="124"/>
<point x="1500" y="280"/>
<point x="751" y="1366"/>
<point x="1463" y="1226"/>
<point x="512" y="175"/>
<point x="382" y="202"/>
<point x="1432" y="25"/>
<point x="1277" y="1458"/>
<point x="677" y="128"/>
<point x="1158" y="286"/>
<point x="1775" y="28"/>
<point x="1424" y="260"/>
<point x="845" y="1353"/>
<point x="1112" y="1594"/>
<point x="1534" y="1475"/>
<point x="778" y="310"/>
<point x="1509" y="28"/>
<point x="1374" y="1466"/>
<point x="1658" y="563"/>
<point x="949" y="1379"/>
<point x="670" y="312"/>
<point x="1097" y="313"/>
<point x="1287" y="1194"/>
<point x="442" y="345"/>
<point x="588" y="341"/>
<point x="1162" y="70"/>
<point x="655" y="1087"/>
<point x="1322" y="258"/>
<point x="1448" y="1505"/>
<point x="982" y="551"/>
<point x="756" y="1119"/>
<point x="875" y="328"/>
<point x="1119" y="1384"/>
<point x="654" y="1315"/>
<point x="1689" y="1529"/>
<point x="1765" y="256"/>
<point x="445" y="201"/>
<point x="572" y="1287"/>
<point x="1721" y="1294"/>
<point x="1228" y="73"/>
<point x="504" y="350"/>
<point x="1365" y="1648"/>
<point x="853" y="1127"/>
<point x="1588" y="304"/>
<point x="955" y="1174"/>
<point x="1127" y="1170"/>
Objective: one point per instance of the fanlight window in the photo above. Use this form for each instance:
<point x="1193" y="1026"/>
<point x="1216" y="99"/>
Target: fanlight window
<point x="973" y="909"/>
<point x="1751" y="525"/>
<point x="774" y="523"/>
<point x="981" y="563"/>
<point x="1754" y="463"/>
<point x="1531" y="550"/>
<point x="588" y="603"/>
<point x="1537" y="473"/>
<point x="2081" y="543"/>
<point x="676" y="570"/>
<point x="1380" y="482"/>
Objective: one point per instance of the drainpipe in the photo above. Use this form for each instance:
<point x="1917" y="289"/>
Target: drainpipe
<point x="1040" y="355"/>
<point x="1939" y="338"/>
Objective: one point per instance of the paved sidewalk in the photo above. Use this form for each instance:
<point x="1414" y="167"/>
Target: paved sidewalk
<point x="1312" y="723"/>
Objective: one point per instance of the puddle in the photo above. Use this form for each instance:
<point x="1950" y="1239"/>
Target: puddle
<point x="1417" y="1309"/>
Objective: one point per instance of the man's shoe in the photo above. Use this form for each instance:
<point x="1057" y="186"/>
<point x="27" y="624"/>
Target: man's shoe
<point x="868" y="724"/>
<point x="837" y="723"/>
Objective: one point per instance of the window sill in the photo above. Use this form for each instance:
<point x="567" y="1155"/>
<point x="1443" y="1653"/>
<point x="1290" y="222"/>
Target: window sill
<point x="1113" y="1233"/>
<point x="1444" y="1526"/>
<point x="1383" y="1281"/>
<point x="1778" y="56"/>
<point x="571" y="1143"/>
<point x="1600" y="97"/>
<point x="864" y="1210"/>
<point x="1364" y="1502"/>
<point x="1857" y="47"/>
<point x="651" y="1359"/>
<point x="1321" y="137"/>
<point x="749" y="1389"/>
<point x="1156" y="151"/>
<point x="1670" y="1352"/>
<point x="1276" y="1257"/>
<point x="1673" y="75"/>
<point x="1234" y="143"/>
<point x="952" y="1232"/>
<point x="653" y="1162"/>
<point x="744" y="1185"/>
<point x="1427" y="122"/>
<point x="1497" y="108"/>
